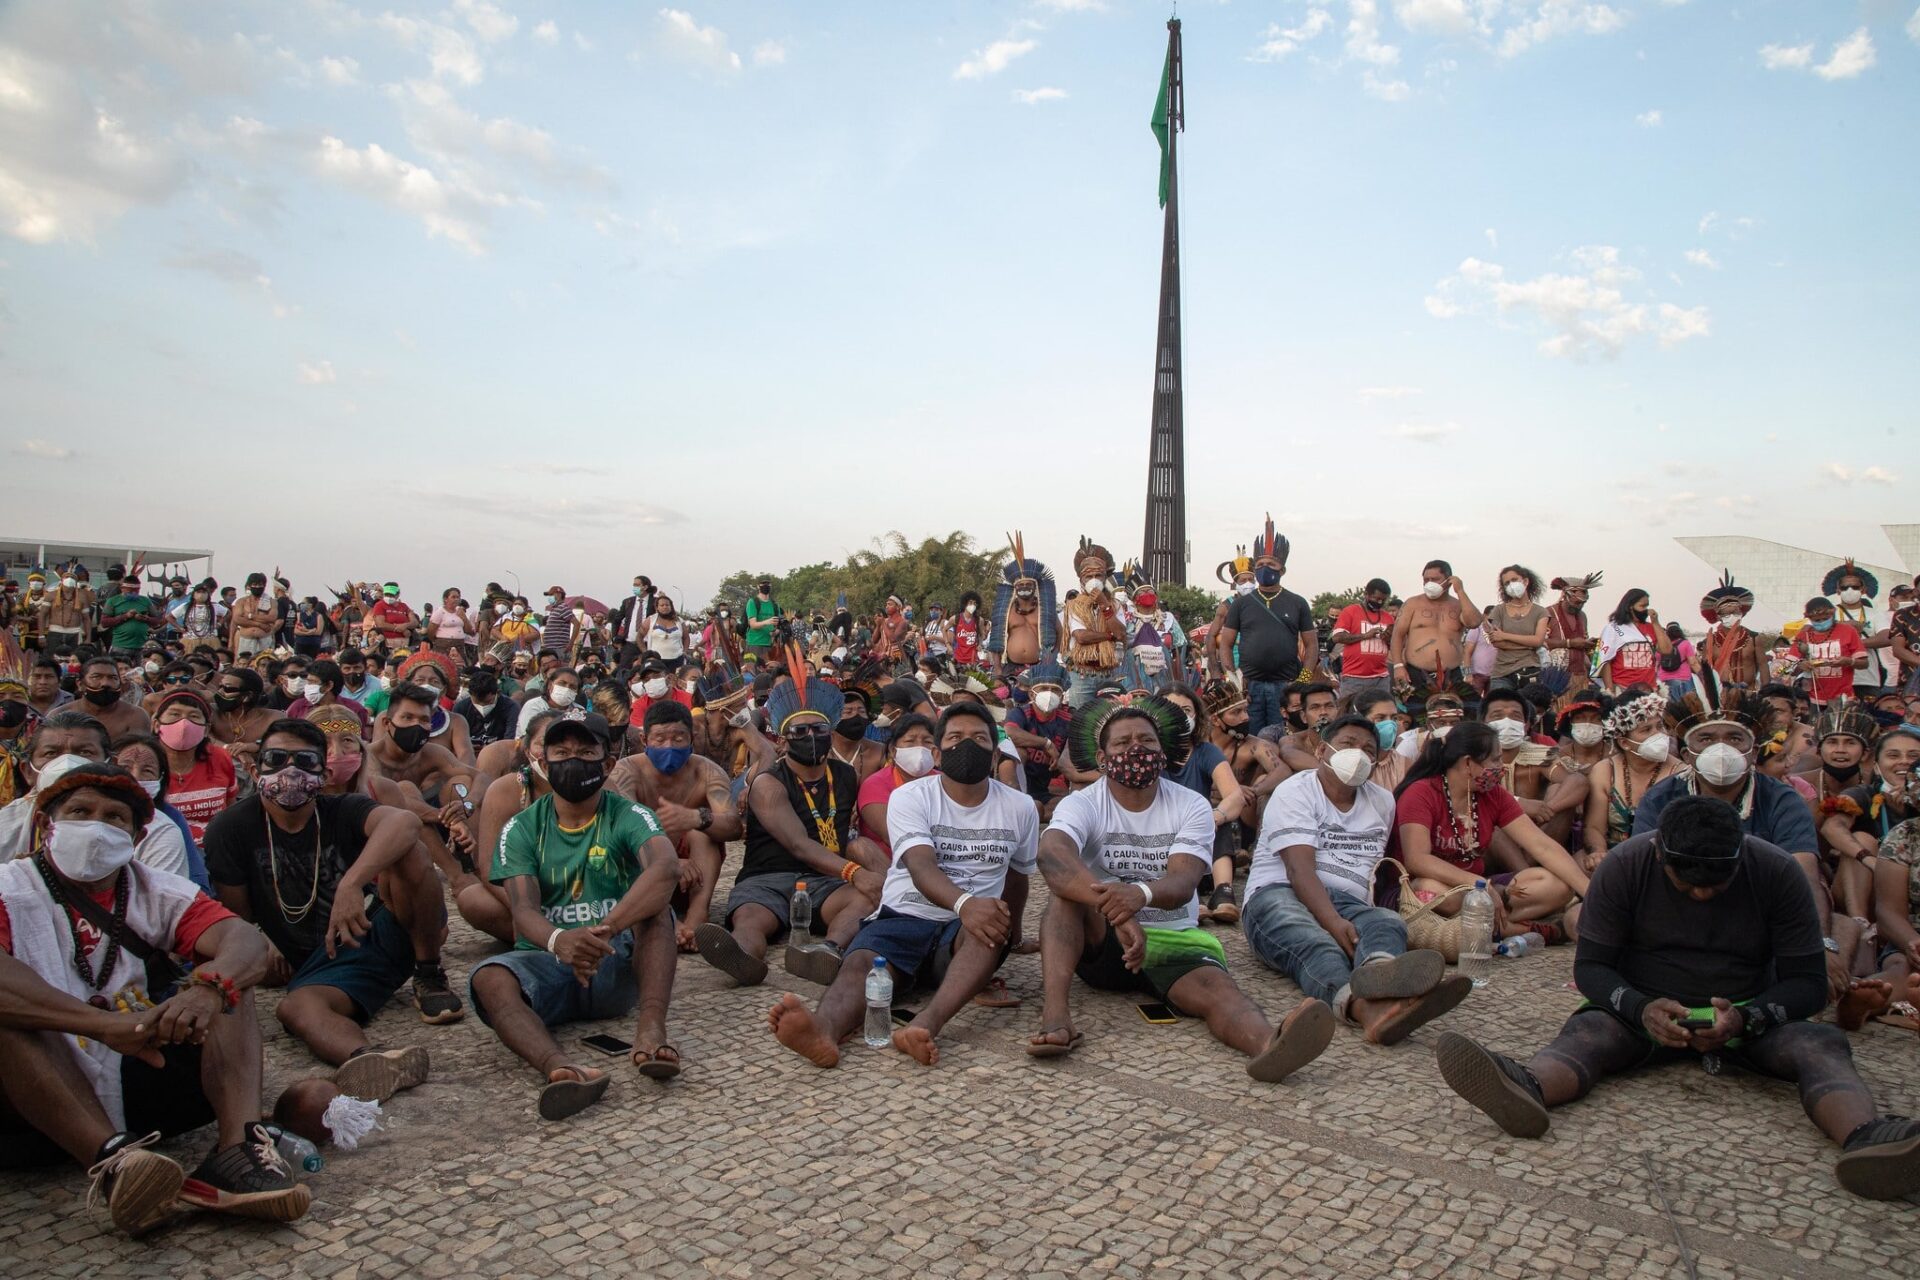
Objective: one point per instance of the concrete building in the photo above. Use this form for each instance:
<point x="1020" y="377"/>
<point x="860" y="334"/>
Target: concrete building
<point x="18" y="556"/>
<point x="1782" y="577"/>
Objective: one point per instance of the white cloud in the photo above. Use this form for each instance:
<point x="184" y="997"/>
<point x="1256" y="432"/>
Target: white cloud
<point x="1913" y="27"/>
<point x="547" y="32"/>
<point x="1550" y="18"/>
<point x="1442" y="17"/>
<point x="1849" y="58"/>
<point x="1648" y="119"/>
<point x="473" y="150"/>
<point x="704" y="47"/>
<point x="993" y="59"/>
<point x="1701" y="258"/>
<point x="1363" y="35"/>
<point x="1879" y="475"/>
<point x="1781" y="57"/>
<point x="1493" y="238"/>
<point x="43" y="449"/>
<point x="1386" y="90"/>
<point x="1278" y="41"/>
<point x="1033" y="97"/>
<point x="769" y="53"/>
<point x="243" y="271"/>
<point x="581" y="42"/>
<point x="339" y="71"/>
<point x="381" y="176"/>
<point x="1587" y="311"/>
<point x="317" y="373"/>
<point x="1387" y="393"/>
<point x="489" y="22"/>
<point x="1426" y="432"/>
<point x="451" y="54"/>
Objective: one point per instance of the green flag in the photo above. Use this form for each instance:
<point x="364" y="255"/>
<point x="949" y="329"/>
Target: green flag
<point x="1161" y="106"/>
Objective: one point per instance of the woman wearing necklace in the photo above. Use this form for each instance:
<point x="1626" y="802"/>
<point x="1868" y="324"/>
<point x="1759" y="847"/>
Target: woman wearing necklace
<point x="1455" y="824"/>
<point x="1583" y="744"/>
<point x="1642" y="755"/>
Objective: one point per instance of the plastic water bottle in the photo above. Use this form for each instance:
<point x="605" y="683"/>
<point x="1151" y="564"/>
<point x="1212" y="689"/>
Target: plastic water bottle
<point x="1513" y="948"/>
<point x="296" y="1150"/>
<point x="1476" y="934"/>
<point x="800" y="913"/>
<point x="880" y="1004"/>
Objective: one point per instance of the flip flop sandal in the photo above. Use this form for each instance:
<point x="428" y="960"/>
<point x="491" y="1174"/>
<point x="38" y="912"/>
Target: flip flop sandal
<point x="718" y="948"/>
<point x="1899" y="1014"/>
<point x="653" y="1066"/>
<point x="1303" y="1035"/>
<point x="562" y="1098"/>
<point x="1053" y="1049"/>
<point x="1027" y="947"/>
<point x="1442" y="999"/>
<point x="1405" y="976"/>
<point x="996" y="996"/>
<point x="817" y="962"/>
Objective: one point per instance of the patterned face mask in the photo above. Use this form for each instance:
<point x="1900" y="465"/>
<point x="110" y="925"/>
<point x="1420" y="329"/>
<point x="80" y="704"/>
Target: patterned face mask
<point x="1136" y="767"/>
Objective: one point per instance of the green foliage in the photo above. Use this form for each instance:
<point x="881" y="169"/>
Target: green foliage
<point x="934" y="572"/>
<point x="1334" y="601"/>
<point x="1194" y="606"/>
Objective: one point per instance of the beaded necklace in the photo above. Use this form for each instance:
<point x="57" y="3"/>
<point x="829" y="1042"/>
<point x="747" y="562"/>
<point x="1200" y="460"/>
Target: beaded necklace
<point x="828" y="827"/>
<point x="1467" y="841"/>
<point x="57" y="886"/>
<point x="294" y="915"/>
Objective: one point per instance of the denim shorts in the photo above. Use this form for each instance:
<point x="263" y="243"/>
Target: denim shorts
<point x="556" y="995"/>
<point x="368" y="974"/>
<point x="909" y="943"/>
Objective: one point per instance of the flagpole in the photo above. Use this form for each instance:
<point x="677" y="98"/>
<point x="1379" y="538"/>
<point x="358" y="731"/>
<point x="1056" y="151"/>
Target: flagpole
<point x="1164" y="554"/>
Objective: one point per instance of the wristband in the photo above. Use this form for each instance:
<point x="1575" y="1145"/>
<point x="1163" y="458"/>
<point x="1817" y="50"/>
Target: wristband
<point x="847" y="871"/>
<point x="222" y="987"/>
<point x="1146" y="889"/>
<point x="553" y="938"/>
<point x="961" y="901"/>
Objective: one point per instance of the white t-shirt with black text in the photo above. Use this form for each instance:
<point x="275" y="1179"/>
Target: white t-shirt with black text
<point x="973" y="847"/>
<point x="1118" y="844"/>
<point x="1346" y="846"/>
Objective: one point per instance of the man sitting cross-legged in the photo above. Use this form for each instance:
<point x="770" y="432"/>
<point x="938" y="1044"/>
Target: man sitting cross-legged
<point x="588" y="874"/>
<point x="1123" y="859"/>
<point x="89" y="1065"/>
<point x="1310" y="891"/>
<point x="943" y="917"/>
<point x="1698" y="938"/>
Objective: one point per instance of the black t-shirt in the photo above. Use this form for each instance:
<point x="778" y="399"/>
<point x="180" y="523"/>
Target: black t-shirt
<point x="491" y="725"/>
<point x="237" y="854"/>
<point x="1269" y="633"/>
<point x="1691" y="951"/>
<point x="765" y="854"/>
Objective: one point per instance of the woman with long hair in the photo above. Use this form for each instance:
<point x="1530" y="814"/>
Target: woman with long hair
<point x="1642" y="754"/>
<point x="201" y="777"/>
<point x="1632" y="643"/>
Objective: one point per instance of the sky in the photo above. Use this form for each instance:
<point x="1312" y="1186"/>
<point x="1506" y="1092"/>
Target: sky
<point x="558" y="293"/>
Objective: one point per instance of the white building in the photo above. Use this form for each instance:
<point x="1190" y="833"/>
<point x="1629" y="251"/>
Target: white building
<point x="1783" y="578"/>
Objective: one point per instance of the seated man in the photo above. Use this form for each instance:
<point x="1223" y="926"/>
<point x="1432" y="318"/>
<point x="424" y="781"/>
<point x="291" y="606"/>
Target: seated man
<point x="944" y="919"/>
<point x="299" y="863"/>
<point x="64" y="739"/>
<point x="1698" y="938"/>
<point x="588" y="874"/>
<point x="1310" y="893"/>
<point x="89" y="1065"/>
<point x="690" y="796"/>
<point x="1123" y="859"/>
<point x="402" y="754"/>
<point x="799" y="819"/>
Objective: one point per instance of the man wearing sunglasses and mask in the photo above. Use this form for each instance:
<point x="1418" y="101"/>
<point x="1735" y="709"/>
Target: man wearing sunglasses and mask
<point x="300" y="864"/>
<point x="1699" y="939"/>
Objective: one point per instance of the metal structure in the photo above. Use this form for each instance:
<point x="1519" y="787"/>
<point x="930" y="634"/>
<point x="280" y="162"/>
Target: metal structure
<point x="1782" y="577"/>
<point x="19" y="555"/>
<point x="1164" y="555"/>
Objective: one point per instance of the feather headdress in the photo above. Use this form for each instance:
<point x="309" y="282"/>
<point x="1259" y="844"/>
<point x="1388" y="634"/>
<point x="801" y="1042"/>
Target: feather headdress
<point x="1083" y="735"/>
<point x="1016" y="573"/>
<point x="799" y="698"/>
<point x="1707" y="702"/>
<point x="1576" y="582"/>
<point x="1830" y="585"/>
<point x="1270" y="543"/>
<point x="1091" y="550"/>
<point x="1725" y="593"/>
<point x="1845" y="717"/>
<point x="1231" y="570"/>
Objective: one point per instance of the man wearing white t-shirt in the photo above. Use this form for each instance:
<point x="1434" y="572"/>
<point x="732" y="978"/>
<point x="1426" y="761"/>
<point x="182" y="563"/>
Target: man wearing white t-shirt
<point x="1123" y="859"/>
<point x="943" y="918"/>
<point x="1309" y="911"/>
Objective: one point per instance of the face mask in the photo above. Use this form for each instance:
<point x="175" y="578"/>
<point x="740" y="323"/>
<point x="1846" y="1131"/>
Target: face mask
<point x="1046" y="702"/>
<point x="883" y="720"/>
<point x="103" y="697"/>
<point x="1515" y="589"/>
<point x="576" y="780"/>
<point x="967" y="762"/>
<point x="1351" y="765"/>
<point x="561" y="696"/>
<point x="519" y="610"/>
<point x="226" y="701"/>
<point x="257" y="592"/>
<point x="1387" y="730"/>
<point x="1728" y="621"/>
<point x="67" y="583"/>
<point x="340" y="769"/>
<point x="1512" y="733"/>
<point x="1267" y="576"/>
<point x="972" y="609"/>
<point x="181" y="735"/>
<point x="411" y="738"/>
<point x="1486" y="780"/>
<point x="289" y="788"/>
<point x="1850" y="596"/>
<point x="1655" y="748"/>
<point x="1640" y="612"/>
<point x="12" y="714"/>
<point x="294" y="685"/>
<point x="1243" y="588"/>
<point x="1433" y="590"/>
<point x="852" y="727"/>
<point x="499" y="611"/>
<point x="1838" y="773"/>
<point x="88" y="851"/>
<point x="655" y="688"/>
<point x="1824" y="625"/>
<point x="807" y="748"/>
<point x="1136" y="767"/>
<point x="152" y="668"/>
<point x="1588" y="735"/>
<point x="639" y="591"/>
<point x="313" y="691"/>
<point x="1721" y="764"/>
<point x="152" y="787"/>
<point x="669" y="759"/>
<point x="923" y="677"/>
<point x="1093" y="586"/>
<point x="915" y="762"/>
<point x="1296" y="721"/>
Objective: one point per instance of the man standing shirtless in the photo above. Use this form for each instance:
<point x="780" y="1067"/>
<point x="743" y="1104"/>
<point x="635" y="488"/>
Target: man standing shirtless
<point x="1426" y="645"/>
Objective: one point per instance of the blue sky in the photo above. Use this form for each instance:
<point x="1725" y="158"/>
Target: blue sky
<point x="446" y="291"/>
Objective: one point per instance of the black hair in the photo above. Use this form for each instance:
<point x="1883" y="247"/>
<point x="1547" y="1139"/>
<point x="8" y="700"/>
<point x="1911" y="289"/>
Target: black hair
<point x="1362" y="701"/>
<point x="152" y="744"/>
<point x="667" y="711"/>
<point x="69" y="719"/>
<point x="418" y="694"/>
<point x="976" y="710"/>
<point x="1817" y="602"/>
<point x="100" y="660"/>
<point x="305" y="730"/>
<point x="46" y="663"/>
<point x="1701" y="827"/>
<point x="351" y="655"/>
<point x="1194" y="700"/>
<point x="328" y="674"/>
<point x="1351" y="722"/>
<point x="1127" y="713"/>
<point x="1377" y="584"/>
<point x="914" y="720"/>
<point x="252" y="687"/>
<point x="1623" y="612"/>
<point x="1469" y="740"/>
<point x="1506" y="693"/>
<point x="482" y="682"/>
<point x="1441" y="565"/>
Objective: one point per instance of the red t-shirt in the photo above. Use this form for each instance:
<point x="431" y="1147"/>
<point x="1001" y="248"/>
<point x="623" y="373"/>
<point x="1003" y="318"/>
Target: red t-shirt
<point x="1837" y="645"/>
<point x="1634" y="664"/>
<point x="201" y="915"/>
<point x="203" y="792"/>
<point x="1424" y="804"/>
<point x="876" y="790"/>
<point x="966" y="640"/>
<point x="1363" y="659"/>
<point x="390" y="619"/>
<point x="637" y="711"/>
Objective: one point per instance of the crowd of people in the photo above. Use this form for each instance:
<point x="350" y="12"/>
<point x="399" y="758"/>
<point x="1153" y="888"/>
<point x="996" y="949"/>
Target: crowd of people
<point x="209" y="790"/>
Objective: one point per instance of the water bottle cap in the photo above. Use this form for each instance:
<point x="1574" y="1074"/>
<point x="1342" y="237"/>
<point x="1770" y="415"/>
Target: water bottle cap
<point x="1479" y="884"/>
<point x="879" y="962"/>
<point x="798" y="885"/>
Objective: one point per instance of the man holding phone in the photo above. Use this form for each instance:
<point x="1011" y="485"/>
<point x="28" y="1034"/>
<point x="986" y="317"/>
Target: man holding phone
<point x="1699" y="939"/>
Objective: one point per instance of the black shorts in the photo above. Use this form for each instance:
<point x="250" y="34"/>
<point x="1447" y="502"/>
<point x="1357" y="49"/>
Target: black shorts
<point x="1103" y="967"/>
<point x="166" y="1099"/>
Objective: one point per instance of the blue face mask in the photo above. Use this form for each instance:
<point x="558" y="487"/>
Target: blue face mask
<point x="639" y="591"/>
<point x="1267" y="576"/>
<point x="1389" y="731"/>
<point x="1827" y="625"/>
<point x="669" y="759"/>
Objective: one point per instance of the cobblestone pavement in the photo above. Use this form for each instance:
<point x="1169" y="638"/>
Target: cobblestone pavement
<point x="1148" y="1152"/>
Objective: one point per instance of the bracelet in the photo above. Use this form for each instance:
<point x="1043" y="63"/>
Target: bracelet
<point x="222" y="987"/>
<point x="1146" y="889"/>
<point x="706" y="817"/>
<point x="847" y="871"/>
<point x="553" y="938"/>
<point x="961" y="901"/>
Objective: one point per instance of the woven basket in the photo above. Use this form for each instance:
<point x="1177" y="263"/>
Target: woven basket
<point x="1427" y="929"/>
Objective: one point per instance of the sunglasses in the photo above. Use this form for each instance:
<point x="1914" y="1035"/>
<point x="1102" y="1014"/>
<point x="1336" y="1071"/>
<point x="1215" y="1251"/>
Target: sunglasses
<point x="179" y="679"/>
<point x="307" y="760"/>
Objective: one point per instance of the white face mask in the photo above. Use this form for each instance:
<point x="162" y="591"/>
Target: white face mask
<point x="923" y="677"/>
<point x="1515" y="589"/>
<point x="69" y="583"/>
<point x="294" y="685"/>
<point x="561" y="695"/>
<point x="1046" y="702"/>
<point x="1850" y="596"/>
<point x="638" y="688"/>
<point x="499" y="611"/>
<point x="1093" y="586"/>
<point x="88" y="851"/>
<point x="152" y="788"/>
<point x="519" y="610"/>
<point x="1512" y="732"/>
<point x="313" y="690"/>
<point x="1588" y="735"/>
<point x="1656" y="748"/>
<point x="972" y="609"/>
<point x="1434" y="590"/>
<point x="152" y="668"/>
<point x="1243" y="588"/>
<point x="655" y="688"/>
<point x="1351" y="766"/>
<point x="915" y="762"/>
<point x="1721" y="764"/>
<point x="1440" y="734"/>
<point x="1728" y="621"/>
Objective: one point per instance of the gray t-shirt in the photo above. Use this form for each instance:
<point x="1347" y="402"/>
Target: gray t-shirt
<point x="1508" y="661"/>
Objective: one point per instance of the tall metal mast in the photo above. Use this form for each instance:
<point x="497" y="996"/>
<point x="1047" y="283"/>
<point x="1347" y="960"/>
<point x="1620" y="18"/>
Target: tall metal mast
<point x="1164" y="556"/>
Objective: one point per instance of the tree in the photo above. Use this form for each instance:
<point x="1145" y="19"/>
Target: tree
<point x="1328" y="603"/>
<point x="935" y="572"/>
<point x="1194" y="606"/>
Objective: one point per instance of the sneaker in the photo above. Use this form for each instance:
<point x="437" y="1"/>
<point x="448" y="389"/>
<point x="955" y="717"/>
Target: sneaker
<point x="1881" y="1159"/>
<point x="434" y="998"/>
<point x="377" y="1074"/>
<point x="1221" y="907"/>
<point x="1496" y="1084"/>
<point x="249" y="1179"/>
<point x="141" y="1187"/>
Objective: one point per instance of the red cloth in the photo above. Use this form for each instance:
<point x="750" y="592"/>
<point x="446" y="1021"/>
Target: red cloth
<point x="201" y="915"/>
<point x="204" y="791"/>
<point x="1424" y="804"/>
<point x="1634" y="665"/>
<point x="1363" y="659"/>
<point x="638" y="710"/>
<point x="390" y="619"/>
<point x="1837" y="645"/>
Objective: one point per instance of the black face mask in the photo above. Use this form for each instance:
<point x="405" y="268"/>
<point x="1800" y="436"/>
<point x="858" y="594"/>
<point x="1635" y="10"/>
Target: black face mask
<point x="411" y="738"/>
<point x="966" y="762"/>
<point x="852" y="727"/>
<point x="227" y="701"/>
<point x="576" y="780"/>
<point x="102" y="697"/>
<point x="256" y="592"/>
<point x="1839" y="773"/>
<point x="12" y="714"/>
<point x="807" y="748"/>
<point x="1296" y="720"/>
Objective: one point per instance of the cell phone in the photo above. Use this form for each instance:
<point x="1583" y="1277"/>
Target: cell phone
<point x="1158" y="1014"/>
<point x="612" y="1046"/>
<point x="902" y="1016"/>
<point x="1699" y="1019"/>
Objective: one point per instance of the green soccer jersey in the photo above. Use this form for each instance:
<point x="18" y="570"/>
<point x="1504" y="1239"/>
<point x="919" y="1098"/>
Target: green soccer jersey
<point x="131" y="617"/>
<point x="583" y="873"/>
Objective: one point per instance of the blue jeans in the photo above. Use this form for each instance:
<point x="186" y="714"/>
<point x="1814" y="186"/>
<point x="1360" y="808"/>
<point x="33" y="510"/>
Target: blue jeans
<point x="1286" y="937"/>
<point x="1264" y="706"/>
<point x="1081" y="686"/>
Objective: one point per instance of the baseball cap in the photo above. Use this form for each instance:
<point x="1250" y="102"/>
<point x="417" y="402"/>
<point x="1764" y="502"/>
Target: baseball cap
<point x="591" y="727"/>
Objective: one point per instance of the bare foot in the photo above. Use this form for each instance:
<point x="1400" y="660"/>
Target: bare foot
<point x="795" y="1028"/>
<point x="1865" y="998"/>
<point x="917" y="1043"/>
<point x="1053" y="1042"/>
<point x="683" y="936"/>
